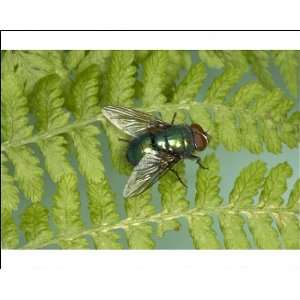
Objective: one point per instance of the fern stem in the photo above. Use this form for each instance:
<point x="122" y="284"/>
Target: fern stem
<point x="76" y="125"/>
<point x="159" y="218"/>
<point x="51" y="133"/>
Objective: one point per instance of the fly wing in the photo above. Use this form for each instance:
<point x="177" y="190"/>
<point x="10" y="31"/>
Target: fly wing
<point x="131" y="121"/>
<point x="150" y="168"/>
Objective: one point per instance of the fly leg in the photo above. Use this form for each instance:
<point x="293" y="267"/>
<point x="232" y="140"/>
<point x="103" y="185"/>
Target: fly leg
<point x="198" y="161"/>
<point x="173" y="118"/>
<point x="178" y="177"/>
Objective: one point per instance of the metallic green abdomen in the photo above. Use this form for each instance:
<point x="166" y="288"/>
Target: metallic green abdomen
<point x="176" y="139"/>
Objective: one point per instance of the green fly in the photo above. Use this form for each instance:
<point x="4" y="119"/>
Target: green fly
<point x="156" y="146"/>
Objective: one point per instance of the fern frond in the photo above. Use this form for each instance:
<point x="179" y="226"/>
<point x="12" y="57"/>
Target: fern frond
<point x="187" y="90"/>
<point x="289" y="224"/>
<point x="73" y="58"/>
<point x="251" y="114"/>
<point x="207" y="196"/>
<point x="207" y="187"/>
<point x="9" y="191"/>
<point x="9" y="233"/>
<point x="259" y="61"/>
<point x="211" y="59"/>
<point x="84" y="95"/>
<point x="66" y="212"/>
<point x="224" y="58"/>
<point x="232" y="226"/>
<point x="202" y="233"/>
<point x="120" y="91"/>
<point x="294" y="199"/>
<point x="99" y="58"/>
<point x="222" y="85"/>
<point x="173" y="199"/>
<point x="248" y="183"/>
<point x="103" y="211"/>
<point x="47" y="105"/>
<point x="288" y="62"/>
<point x="155" y="68"/>
<point x="35" y="224"/>
<point x="139" y="234"/>
<point x="31" y="66"/>
<point x="14" y="118"/>
<point x="15" y="126"/>
<point x="85" y="105"/>
<point x="27" y="172"/>
<point x="121" y="78"/>
<point x="275" y="185"/>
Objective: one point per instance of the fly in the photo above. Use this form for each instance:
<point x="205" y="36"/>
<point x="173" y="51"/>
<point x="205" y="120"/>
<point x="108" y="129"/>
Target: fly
<point x="156" y="146"/>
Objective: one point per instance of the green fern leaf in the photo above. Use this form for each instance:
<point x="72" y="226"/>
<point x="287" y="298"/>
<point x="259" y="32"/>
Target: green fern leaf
<point x="87" y="146"/>
<point x="33" y="65"/>
<point x="264" y="234"/>
<point x="14" y="125"/>
<point x="118" y="149"/>
<point x="207" y="196"/>
<point x="233" y="58"/>
<point x="73" y="59"/>
<point x="35" y="224"/>
<point x="247" y="184"/>
<point x="14" y="119"/>
<point x="211" y="59"/>
<point x="141" y="55"/>
<point x="47" y="105"/>
<point x="84" y="95"/>
<point x="66" y="212"/>
<point x="247" y="94"/>
<point x="289" y="65"/>
<point x="155" y="68"/>
<point x="172" y="199"/>
<point x="188" y="88"/>
<point x="259" y="61"/>
<point x="177" y="62"/>
<point x="99" y="58"/>
<point x="139" y="234"/>
<point x="249" y="133"/>
<point x="289" y="223"/>
<point x="207" y="188"/>
<point x="84" y="105"/>
<point x="202" y="233"/>
<point x="27" y="172"/>
<point x="9" y="233"/>
<point x="103" y="212"/>
<point x="121" y="78"/>
<point x="228" y="135"/>
<point x="233" y="230"/>
<point x="275" y="185"/>
<point x="55" y="153"/>
<point x="9" y="191"/>
<point x="222" y="85"/>
<point x="219" y="58"/>
<point x="258" y="115"/>
<point x="294" y="199"/>
<point x="120" y="92"/>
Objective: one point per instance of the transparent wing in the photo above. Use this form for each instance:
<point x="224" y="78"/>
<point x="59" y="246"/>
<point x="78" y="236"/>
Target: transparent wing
<point x="150" y="168"/>
<point x="131" y="121"/>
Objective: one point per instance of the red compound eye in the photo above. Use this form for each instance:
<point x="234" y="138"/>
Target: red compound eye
<point x="200" y="137"/>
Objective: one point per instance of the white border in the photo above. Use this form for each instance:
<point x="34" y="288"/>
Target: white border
<point x="155" y="14"/>
<point x="150" y="274"/>
<point x="88" y="40"/>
